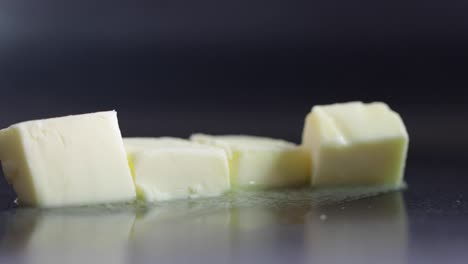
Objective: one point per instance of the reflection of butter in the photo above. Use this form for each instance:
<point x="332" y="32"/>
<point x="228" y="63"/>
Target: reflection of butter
<point x="171" y="168"/>
<point x="356" y="144"/>
<point x="182" y="217"/>
<point x="246" y="219"/>
<point x="181" y="231"/>
<point x="262" y="162"/>
<point x="371" y="230"/>
<point x="72" y="160"/>
<point x="253" y="218"/>
<point x="71" y="236"/>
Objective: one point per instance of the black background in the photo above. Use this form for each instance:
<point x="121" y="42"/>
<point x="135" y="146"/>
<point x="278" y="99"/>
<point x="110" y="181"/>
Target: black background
<point x="171" y="68"/>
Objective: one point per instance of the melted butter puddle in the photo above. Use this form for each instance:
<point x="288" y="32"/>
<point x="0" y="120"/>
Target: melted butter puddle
<point x="241" y="198"/>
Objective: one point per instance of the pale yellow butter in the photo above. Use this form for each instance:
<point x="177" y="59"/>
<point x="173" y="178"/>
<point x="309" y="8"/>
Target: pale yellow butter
<point x="262" y="162"/>
<point x="171" y="168"/>
<point x="72" y="160"/>
<point x="356" y="144"/>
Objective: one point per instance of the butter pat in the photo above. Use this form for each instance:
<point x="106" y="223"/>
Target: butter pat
<point x="72" y="160"/>
<point x="171" y="168"/>
<point x="356" y="144"/>
<point x="262" y="162"/>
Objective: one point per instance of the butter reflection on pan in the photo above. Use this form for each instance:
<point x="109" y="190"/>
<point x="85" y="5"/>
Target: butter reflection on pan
<point x="217" y="230"/>
<point x="213" y="230"/>
<point x="182" y="231"/>
<point x="75" y="235"/>
<point x="371" y="230"/>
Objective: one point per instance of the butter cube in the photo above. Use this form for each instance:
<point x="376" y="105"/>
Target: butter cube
<point x="262" y="162"/>
<point x="356" y="144"/>
<point x="72" y="160"/>
<point x="171" y="168"/>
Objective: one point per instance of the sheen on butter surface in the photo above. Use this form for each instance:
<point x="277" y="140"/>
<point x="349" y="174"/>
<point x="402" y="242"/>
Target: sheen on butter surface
<point x="171" y="168"/>
<point x="262" y="162"/>
<point x="356" y="144"/>
<point x="72" y="160"/>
